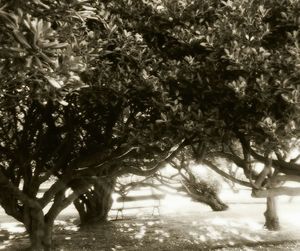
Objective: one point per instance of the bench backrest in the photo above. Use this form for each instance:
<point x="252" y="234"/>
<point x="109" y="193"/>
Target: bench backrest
<point x="140" y="197"/>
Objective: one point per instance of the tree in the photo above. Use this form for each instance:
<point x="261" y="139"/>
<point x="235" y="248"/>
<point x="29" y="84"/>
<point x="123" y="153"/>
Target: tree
<point x="229" y="83"/>
<point x="74" y="113"/>
<point x="32" y="85"/>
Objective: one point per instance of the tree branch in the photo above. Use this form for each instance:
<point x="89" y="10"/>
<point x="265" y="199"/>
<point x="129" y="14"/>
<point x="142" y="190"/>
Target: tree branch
<point x="283" y="166"/>
<point x="50" y="193"/>
<point x="283" y="178"/>
<point x="225" y="175"/>
<point x="5" y="184"/>
<point x="171" y="154"/>
<point x="290" y="191"/>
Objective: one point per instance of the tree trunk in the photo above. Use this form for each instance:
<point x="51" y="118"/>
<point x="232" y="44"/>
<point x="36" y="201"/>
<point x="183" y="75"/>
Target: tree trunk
<point x="271" y="217"/>
<point x="94" y="205"/>
<point x="41" y="238"/>
<point x="212" y="200"/>
<point x="39" y="230"/>
<point x="215" y="203"/>
<point x="204" y="193"/>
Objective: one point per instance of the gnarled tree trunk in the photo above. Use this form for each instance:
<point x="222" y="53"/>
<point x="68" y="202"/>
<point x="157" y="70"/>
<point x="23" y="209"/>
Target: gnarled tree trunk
<point x="31" y="214"/>
<point x="213" y="201"/>
<point x="271" y="217"/>
<point x="39" y="229"/>
<point x="41" y="237"/>
<point x="204" y="193"/>
<point x="94" y="205"/>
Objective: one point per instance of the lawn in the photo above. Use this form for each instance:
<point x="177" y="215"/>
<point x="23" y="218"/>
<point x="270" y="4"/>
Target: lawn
<point x="181" y="225"/>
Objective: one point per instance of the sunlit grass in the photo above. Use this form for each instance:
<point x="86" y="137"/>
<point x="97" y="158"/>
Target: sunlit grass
<point x="181" y="220"/>
<point x="12" y="227"/>
<point x="174" y="203"/>
<point x="141" y="232"/>
<point x="4" y="245"/>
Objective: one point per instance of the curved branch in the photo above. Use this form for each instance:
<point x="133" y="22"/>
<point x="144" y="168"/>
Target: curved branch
<point x="226" y="175"/>
<point x="5" y="184"/>
<point x="288" y="168"/>
<point x="250" y="174"/>
<point x="283" y="178"/>
<point x="290" y="191"/>
<point x="160" y="163"/>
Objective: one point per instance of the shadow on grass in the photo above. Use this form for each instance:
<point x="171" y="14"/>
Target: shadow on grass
<point x="160" y="233"/>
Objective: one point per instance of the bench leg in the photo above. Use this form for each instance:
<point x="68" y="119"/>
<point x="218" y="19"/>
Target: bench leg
<point x="158" y="211"/>
<point x="121" y="213"/>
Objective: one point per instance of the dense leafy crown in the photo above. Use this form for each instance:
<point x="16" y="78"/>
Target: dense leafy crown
<point x="84" y="82"/>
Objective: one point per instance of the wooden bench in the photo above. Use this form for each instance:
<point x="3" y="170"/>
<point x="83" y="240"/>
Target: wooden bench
<point x="133" y="198"/>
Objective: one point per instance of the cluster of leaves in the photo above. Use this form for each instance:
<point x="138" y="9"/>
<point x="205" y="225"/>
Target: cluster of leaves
<point x="229" y="76"/>
<point x="219" y="67"/>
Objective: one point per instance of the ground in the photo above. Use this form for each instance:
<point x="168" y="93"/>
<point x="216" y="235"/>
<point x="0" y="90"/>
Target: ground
<point x="181" y="225"/>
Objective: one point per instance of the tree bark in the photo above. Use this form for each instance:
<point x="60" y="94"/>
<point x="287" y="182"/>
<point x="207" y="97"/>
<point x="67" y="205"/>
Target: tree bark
<point x="212" y="200"/>
<point x="39" y="230"/>
<point x="41" y="238"/>
<point x="271" y="217"/>
<point x="95" y="205"/>
<point x="276" y="191"/>
<point x="204" y="193"/>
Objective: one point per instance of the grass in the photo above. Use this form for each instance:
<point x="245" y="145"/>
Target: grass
<point x="187" y="226"/>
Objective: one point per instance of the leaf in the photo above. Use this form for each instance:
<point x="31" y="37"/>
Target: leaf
<point x="28" y="62"/>
<point x="60" y="45"/>
<point x="46" y="27"/>
<point x="20" y="12"/>
<point x="54" y="45"/>
<point x="86" y="7"/>
<point x="39" y="28"/>
<point x="53" y="82"/>
<point x="21" y="39"/>
<point x="38" y="62"/>
<point x="63" y="102"/>
<point x="38" y="2"/>
<point x="48" y="60"/>
<point x="163" y="116"/>
<point x="27" y="24"/>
